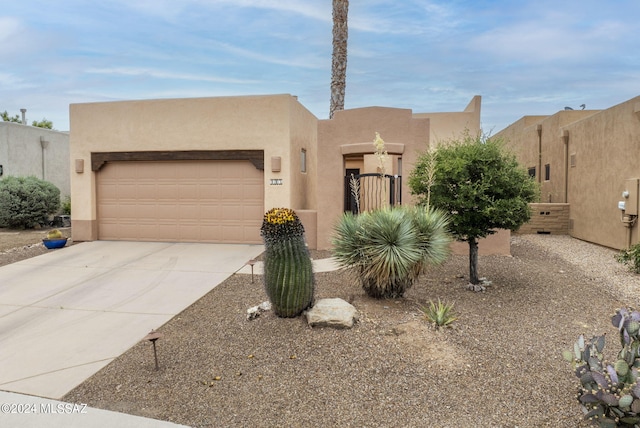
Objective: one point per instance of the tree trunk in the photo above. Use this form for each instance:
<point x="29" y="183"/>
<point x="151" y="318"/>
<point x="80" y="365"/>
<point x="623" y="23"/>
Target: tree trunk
<point x="339" y="57"/>
<point x="473" y="261"/>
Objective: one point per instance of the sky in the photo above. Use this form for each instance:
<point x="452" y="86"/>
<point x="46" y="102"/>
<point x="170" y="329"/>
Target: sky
<point x="524" y="57"/>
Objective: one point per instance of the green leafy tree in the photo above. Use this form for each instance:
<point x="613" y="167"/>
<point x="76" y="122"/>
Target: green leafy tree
<point x="44" y="123"/>
<point x="480" y="185"/>
<point x="5" y="116"/>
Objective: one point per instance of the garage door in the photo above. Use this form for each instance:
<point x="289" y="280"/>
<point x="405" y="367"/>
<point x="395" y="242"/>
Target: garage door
<point x="185" y="201"/>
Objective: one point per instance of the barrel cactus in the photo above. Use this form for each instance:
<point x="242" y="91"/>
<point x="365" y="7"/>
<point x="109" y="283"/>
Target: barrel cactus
<point x="54" y="234"/>
<point x="288" y="272"/>
<point x="609" y="392"/>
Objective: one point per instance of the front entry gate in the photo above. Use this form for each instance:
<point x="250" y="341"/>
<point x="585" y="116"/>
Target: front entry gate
<point x="366" y="192"/>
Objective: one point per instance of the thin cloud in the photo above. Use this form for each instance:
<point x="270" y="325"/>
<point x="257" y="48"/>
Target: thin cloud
<point x="126" y="71"/>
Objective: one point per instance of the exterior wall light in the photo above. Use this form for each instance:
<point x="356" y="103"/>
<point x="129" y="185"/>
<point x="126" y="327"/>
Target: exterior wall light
<point x="276" y="162"/>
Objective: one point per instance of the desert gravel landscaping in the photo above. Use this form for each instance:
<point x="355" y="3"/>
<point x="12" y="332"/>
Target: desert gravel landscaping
<point x="500" y="365"/>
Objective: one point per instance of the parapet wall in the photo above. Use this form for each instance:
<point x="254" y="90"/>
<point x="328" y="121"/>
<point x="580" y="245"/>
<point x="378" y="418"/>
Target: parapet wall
<point x="547" y="218"/>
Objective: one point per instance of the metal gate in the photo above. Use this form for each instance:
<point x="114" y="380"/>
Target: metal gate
<point x="366" y="192"/>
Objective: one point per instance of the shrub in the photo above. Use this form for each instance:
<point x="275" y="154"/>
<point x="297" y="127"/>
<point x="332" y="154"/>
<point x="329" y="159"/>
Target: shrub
<point x="66" y="205"/>
<point x="27" y="201"/>
<point x="610" y="392"/>
<point x="390" y="247"/>
<point x="631" y="258"/>
<point x="440" y="314"/>
<point x="288" y="272"/>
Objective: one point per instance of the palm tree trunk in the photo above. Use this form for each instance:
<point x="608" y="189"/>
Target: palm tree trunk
<point x="339" y="57"/>
<point x="473" y="261"/>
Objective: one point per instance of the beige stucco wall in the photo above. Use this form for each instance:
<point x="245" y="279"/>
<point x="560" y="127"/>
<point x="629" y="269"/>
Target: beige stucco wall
<point x="303" y="135"/>
<point x="352" y="132"/>
<point x="22" y="154"/>
<point x="607" y="153"/>
<point x="277" y="124"/>
<point x="450" y="125"/>
<point x="221" y="123"/>
<point x="604" y="147"/>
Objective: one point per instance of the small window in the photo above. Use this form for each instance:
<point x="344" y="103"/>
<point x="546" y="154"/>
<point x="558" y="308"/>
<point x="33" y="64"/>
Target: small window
<point x="532" y="172"/>
<point x="547" y="172"/>
<point x="303" y="160"/>
<point x="572" y="160"/>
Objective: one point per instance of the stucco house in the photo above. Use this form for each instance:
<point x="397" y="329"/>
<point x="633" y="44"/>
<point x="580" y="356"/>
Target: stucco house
<point x="588" y="166"/>
<point x="31" y="151"/>
<point x="206" y="169"/>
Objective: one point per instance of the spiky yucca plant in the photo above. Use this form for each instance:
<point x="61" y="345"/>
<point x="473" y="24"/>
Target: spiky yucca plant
<point x="288" y="272"/>
<point x="390" y="247"/>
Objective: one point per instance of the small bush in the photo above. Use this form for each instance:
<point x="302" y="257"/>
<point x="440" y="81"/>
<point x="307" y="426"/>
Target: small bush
<point x="391" y="246"/>
<point x="66" y="205"/>
<point x="440" y="314"/>
<point x="631" y="258"/>
<point x="27" y="201"/>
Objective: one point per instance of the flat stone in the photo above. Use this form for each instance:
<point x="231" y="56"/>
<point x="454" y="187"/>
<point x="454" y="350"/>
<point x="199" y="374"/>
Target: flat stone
<point x="334" y="312"/>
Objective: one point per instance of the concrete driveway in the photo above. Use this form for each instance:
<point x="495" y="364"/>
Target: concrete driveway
<point x="68" y="313"/>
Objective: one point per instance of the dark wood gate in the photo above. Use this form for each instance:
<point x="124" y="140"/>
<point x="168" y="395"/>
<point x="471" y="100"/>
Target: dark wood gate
<point x="366" y="192"/>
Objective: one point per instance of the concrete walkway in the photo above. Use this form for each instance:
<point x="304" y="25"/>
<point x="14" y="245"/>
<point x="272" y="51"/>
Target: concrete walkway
<point x="320" y="265"/>
<point x="24" y="411"/>
<point x="68" y="313"/>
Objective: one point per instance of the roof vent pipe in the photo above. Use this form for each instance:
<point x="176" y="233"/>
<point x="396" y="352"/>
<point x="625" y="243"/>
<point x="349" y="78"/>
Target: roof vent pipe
<point x="24" y="115"/>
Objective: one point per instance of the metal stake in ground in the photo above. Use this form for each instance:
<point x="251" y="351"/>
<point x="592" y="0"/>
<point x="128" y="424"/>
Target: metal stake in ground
<point x="152" y="337"/>
<point x="251" y="263"/>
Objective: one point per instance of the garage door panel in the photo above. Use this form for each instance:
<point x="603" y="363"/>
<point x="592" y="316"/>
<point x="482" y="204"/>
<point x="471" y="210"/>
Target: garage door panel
<point x="209" y="212"/>
<point x="165" y="211"/>
<point x="210" y="191"/>
<point x="249" y="213"/>
<point x="191" y="201"/>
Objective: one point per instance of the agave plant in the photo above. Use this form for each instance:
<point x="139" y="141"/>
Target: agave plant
<point x="390" y="247"/>
<point x="439" y="314"/>
<point x="609" y="393"/>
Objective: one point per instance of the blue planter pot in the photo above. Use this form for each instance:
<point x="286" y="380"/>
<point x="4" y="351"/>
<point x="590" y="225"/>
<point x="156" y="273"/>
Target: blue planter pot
<point x="54" y="243"/>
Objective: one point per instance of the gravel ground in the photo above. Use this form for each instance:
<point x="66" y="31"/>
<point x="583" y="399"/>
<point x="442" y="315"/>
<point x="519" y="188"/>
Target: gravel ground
<point x="16" y="245"/>
<point x="500" y="364"/>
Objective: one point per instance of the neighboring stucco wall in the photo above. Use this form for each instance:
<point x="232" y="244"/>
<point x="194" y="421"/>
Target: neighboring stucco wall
<point x="22" y="154"/>
<point x="606" y="147"/>
<point x="221" y="123"/>
<point x="591" y="154"/>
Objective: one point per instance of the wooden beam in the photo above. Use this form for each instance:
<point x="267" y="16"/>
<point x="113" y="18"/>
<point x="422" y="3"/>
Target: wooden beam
<point x="256" y="157"/>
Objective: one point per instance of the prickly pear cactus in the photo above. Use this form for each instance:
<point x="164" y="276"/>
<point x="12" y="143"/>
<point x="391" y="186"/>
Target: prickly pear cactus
<point x="610" y="392"/>
<point x="288" y="272"/>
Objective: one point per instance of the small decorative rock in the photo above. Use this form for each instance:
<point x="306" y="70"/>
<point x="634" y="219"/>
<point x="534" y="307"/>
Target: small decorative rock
<point x="255" y="311"/>
<point x="335" y="313"/>
<point x="484" y="283"/>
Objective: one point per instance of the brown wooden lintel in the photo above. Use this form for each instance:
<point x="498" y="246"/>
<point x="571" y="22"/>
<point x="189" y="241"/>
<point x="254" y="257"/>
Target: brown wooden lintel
<point x="256" y="157"/>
